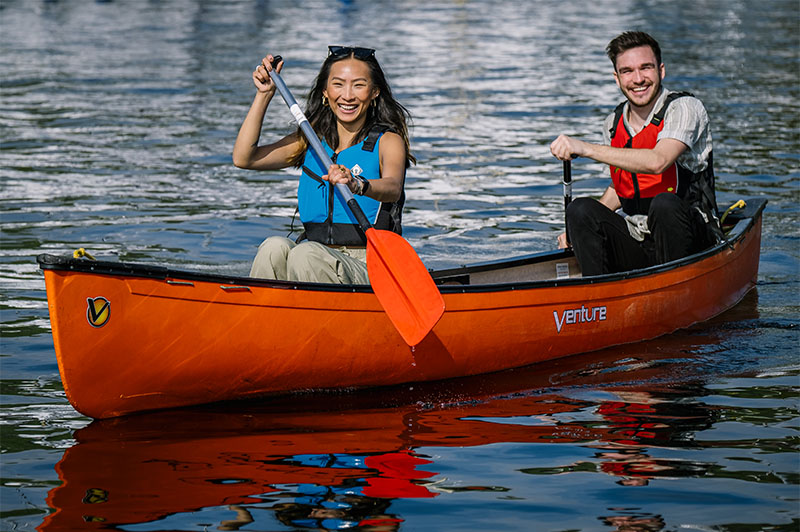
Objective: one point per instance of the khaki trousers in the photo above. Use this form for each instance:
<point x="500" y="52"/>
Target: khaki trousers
<point x="281" y="258"/>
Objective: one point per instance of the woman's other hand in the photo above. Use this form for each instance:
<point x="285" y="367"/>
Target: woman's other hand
<point x="261" y="77"/>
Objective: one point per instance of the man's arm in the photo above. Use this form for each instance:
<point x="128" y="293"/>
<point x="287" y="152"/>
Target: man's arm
<point x="610" y="199"/>
<point x="641" y="161"/>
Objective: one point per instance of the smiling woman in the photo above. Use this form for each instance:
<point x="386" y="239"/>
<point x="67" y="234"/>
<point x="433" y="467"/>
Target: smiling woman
<point x="363" y="130"/>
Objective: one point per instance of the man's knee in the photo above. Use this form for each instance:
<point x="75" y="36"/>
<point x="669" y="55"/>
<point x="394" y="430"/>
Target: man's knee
<point x="665" y="203"/>
<point x="668" y="213"/>
<point x="582" y="209"/>
<point x="585" y="217"/>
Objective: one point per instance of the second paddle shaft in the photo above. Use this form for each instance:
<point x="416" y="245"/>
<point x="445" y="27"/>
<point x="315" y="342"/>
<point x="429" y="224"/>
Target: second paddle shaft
<point x="567" y="192"/>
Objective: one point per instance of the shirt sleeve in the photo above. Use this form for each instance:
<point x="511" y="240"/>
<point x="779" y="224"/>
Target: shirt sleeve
<point x="608" y="123"/>
<point x="686" y="120"/>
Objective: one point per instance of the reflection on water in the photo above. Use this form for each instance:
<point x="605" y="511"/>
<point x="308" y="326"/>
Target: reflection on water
<point x="117" y="121"/>
<point x="330" y="469"/>
<point x="631" y="416"/>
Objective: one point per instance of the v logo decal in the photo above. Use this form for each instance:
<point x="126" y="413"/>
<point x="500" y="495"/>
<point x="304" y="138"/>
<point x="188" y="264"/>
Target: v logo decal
<point x="98" y="311"/>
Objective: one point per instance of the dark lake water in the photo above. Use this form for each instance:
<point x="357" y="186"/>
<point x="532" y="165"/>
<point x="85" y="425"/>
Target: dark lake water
<point x="117" y="120"/>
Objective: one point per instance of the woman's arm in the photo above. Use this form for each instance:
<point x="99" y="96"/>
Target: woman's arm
<point x="246" y="151"/>
<point x="392" y="153"/>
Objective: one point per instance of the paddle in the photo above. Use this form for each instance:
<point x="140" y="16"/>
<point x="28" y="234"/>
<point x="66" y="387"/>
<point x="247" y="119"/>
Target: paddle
<point x="567" y="192"/>
<point x="398" y="277"/>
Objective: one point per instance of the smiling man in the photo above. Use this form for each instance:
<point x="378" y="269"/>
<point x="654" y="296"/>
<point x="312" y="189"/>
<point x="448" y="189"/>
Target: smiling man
<point x="658" y="148"/>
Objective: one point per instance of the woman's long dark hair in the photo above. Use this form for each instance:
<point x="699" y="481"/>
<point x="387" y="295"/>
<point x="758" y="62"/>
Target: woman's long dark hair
<point x="385" y="110"/>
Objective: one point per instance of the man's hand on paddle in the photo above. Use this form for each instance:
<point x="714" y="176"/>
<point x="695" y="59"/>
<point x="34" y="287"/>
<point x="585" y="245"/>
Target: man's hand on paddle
<point x="567" y="148"/>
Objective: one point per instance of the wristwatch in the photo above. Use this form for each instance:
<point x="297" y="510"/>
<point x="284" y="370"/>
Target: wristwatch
<point x="364" y="185"/>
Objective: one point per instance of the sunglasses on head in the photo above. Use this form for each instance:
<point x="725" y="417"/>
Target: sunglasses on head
<point x="356" y="51"/>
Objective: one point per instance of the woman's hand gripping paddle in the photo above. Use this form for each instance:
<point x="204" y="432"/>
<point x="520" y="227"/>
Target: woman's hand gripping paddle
<point x="398" y="277"/>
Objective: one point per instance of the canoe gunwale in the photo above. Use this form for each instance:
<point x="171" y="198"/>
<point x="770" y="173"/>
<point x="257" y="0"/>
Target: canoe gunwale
<point x="744" y="221"/>
<point x="167" y="346"/>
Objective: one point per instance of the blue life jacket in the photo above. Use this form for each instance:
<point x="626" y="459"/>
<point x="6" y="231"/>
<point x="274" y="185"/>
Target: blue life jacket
<point x="325" y="217"/>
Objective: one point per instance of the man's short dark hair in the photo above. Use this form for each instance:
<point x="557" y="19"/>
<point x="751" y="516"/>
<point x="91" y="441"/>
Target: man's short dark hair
<point x="632" y="39"/>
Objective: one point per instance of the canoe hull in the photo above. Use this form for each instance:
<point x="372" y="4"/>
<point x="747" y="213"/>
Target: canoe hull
<point x="127" y="343"/>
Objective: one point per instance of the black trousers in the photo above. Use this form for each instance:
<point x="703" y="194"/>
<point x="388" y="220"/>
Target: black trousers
<point x="602" y="243"/>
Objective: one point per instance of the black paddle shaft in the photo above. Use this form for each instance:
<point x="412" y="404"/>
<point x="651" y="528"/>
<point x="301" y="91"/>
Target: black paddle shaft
<point x="567" y="192"/>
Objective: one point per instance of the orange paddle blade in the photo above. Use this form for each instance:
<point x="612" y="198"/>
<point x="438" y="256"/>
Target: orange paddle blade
<point x="403" y="285"/>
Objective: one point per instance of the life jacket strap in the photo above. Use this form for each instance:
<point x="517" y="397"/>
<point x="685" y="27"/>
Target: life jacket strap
<point x="374" y="134"/>
<point x="657" y="118"/>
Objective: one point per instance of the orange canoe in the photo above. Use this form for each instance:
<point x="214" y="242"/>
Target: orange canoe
<point x="134" y="337"/>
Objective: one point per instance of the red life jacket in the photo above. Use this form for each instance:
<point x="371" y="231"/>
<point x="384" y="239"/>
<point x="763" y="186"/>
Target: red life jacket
<point x="636" y="190"/>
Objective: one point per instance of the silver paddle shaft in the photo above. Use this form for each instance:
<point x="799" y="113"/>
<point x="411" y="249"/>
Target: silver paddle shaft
<point x="316" y="145"/>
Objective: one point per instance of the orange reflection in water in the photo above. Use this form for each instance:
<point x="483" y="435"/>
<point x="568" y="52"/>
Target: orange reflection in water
<point x="326" y="461"/>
